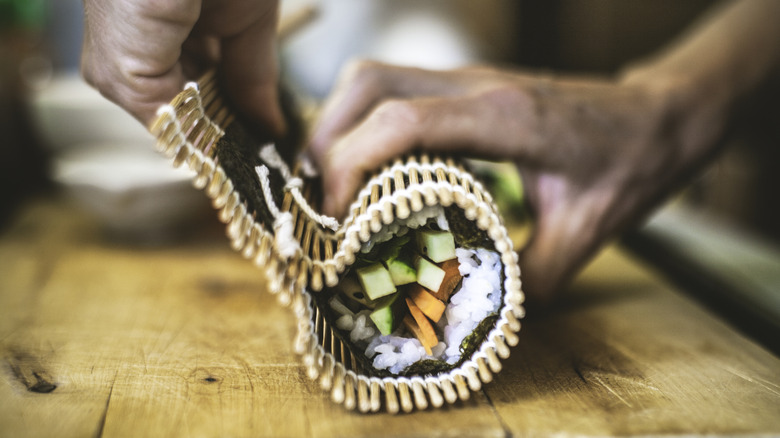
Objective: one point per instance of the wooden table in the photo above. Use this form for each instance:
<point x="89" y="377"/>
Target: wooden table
<point x="100" y="339"/>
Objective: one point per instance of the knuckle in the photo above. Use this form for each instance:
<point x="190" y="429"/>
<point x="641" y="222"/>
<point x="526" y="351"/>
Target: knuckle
<point x="120" y="89"/>
<point x="364" y="73"/>
<point x="95" y="77"/>
<point x="87" y="72"/>
<point x="508" y="100"/>
<point x="399" y="112"/>
<point x="359" y="67"/>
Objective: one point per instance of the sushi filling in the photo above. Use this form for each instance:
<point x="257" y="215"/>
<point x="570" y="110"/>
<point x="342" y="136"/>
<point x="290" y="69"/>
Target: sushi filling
<point x="414" y="295"/>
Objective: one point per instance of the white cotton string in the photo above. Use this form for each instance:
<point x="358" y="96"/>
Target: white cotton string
<point x="284" y="240"/>
<point x="294" y="186"/>
<point x="265" y="185"/>
<point x="270" y="155"/>
<point x="172" y="111"/>
<point x="167" y="109"/>
<point x="308" y="168"/>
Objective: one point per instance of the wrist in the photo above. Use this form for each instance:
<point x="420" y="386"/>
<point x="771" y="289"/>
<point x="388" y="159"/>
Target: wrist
<point x="695" y="108"/>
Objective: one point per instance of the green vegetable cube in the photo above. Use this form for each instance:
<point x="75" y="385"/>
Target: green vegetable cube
<point x="438" y="246"/>
<point x="384" y="316"/>
<point x="401" y="271"/>
<point x="428" y="274"/>
<point x="376" y="281"/>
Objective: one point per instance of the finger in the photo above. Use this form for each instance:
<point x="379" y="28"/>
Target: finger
<point x="250" y="70"/>
<point x="362" y="85"/>
<point x="357" y="90"/>
<point x="131" y="52"/>
<point x="566" y="234"/>
<point x="464" y="125"/>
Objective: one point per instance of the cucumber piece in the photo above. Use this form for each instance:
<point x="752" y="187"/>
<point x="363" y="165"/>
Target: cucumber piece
<point x="429" y="275"/>
<point x="401" y="271"/>
<point x="384" y="316"/>
<point x="392" y="248"/>
<point x="438" y="246"/>
<point x="375" y="280"/>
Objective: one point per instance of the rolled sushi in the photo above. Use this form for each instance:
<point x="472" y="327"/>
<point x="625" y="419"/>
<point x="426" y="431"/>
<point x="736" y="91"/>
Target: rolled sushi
<point x="420" y="297"/>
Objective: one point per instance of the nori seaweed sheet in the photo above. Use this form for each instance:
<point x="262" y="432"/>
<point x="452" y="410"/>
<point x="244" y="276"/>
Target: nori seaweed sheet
<point x="237" y="153"/>
<point x="465" y="231"/>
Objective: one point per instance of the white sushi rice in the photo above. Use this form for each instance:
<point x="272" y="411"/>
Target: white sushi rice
<point x="478" y="297"/>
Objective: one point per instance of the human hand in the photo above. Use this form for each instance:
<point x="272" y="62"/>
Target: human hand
<point x="595" y="155"/>
<point x="140" y="53"/>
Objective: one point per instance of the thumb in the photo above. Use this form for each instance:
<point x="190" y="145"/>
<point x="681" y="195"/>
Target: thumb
<point x="251" y="74"/>
<point x="564" y="237"/>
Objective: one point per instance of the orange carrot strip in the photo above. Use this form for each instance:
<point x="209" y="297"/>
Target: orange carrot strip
<point x="411" y="324"/>
<point x="428" y="304"/>
<point x="428" y="338"/>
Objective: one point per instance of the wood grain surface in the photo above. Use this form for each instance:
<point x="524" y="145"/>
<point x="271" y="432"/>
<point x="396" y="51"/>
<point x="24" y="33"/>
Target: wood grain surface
<point x="108" y="340"/>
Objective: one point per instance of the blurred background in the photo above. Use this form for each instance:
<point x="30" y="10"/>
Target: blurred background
<point x="57" y="132"/>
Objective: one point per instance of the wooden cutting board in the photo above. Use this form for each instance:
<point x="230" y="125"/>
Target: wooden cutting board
<point x="100" y="339"/>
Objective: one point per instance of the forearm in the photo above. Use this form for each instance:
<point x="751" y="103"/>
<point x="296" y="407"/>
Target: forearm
<point x="730" y="55"/>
